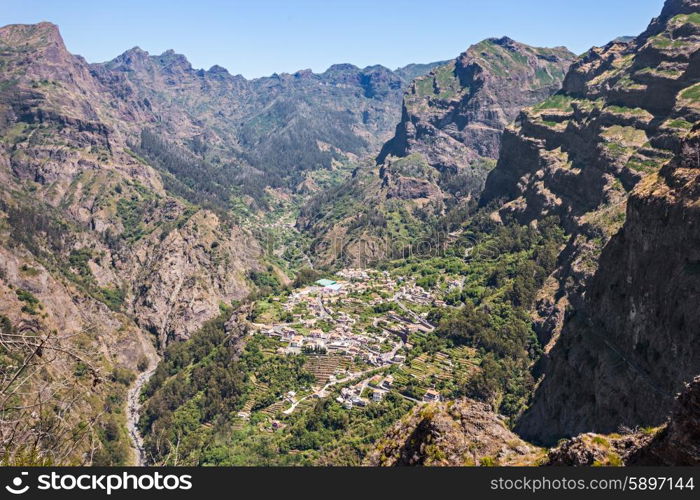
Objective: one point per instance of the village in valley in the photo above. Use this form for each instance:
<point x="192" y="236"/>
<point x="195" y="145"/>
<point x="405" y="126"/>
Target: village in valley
<point x="357" y="331"/>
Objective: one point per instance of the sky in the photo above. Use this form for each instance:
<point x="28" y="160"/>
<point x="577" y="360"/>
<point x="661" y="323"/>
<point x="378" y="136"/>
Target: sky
<point x="258" y="38"/>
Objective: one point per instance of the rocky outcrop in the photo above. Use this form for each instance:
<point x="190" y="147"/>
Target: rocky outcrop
<point x="679" y="441"/>
<point x="457" y="433"/>
<point x="184" y="276"/>
<point x="596" y="450"/>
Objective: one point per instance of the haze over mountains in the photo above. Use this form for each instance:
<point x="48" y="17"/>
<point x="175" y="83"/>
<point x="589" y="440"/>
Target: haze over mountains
<point x="162" y="227"/>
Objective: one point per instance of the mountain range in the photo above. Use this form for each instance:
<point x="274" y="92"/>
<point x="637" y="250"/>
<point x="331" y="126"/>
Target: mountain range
<point x="521" y="221"/>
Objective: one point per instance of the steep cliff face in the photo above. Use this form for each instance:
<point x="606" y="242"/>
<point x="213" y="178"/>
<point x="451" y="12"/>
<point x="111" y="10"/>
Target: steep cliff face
<point x="624" y="112"/>
<point x="634" y="340"/>
<point x="95" y="252"/>
<point x="678" y="443"/>
<point x="621" y="115"/>
<point x="442" y="150"/>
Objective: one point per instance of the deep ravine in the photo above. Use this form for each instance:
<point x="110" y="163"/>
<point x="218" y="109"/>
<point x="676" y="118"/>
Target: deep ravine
<point x="133" y="410"/>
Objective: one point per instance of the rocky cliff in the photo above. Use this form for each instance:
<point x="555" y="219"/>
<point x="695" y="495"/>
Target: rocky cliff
<point x="621" y="115"/>
<point x="453" y="117"/>
<point x="456" y="113"/>
<point x="633" y="339"/>
<point x="65" y="145"/>
<point x="678" y="443"/>
<point x="625" y="111"/>
<point x="674" y="443"/>
<point x="97" y="256"/>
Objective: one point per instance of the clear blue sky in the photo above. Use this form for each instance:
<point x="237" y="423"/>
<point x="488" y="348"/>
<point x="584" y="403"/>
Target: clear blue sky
<point x="257" y="38"/>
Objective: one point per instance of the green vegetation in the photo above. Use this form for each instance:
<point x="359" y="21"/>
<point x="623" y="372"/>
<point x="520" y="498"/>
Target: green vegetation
<point x="663" y="41"/>
<point x="508" y="264"/>
<point x="692" y="93"/>
<point x="617" y="150"/>
<point x="131" y="212"/>
<point x="693" y="18"/>
<point x="625" y="136"/>
<point x="112" y="434"/>
<point x="557" y="101"/>
<point x="622" y="110"/>
<point x="31" y="303"/>
<point x="679" y="123"/>
<point x="266" y="281"/>
<point x="197" y="391"/>
<point x="199" y="384"/>
<point x="78" y="262"/>
<point x="644" y="165"/>
<point x="112" y="297"/>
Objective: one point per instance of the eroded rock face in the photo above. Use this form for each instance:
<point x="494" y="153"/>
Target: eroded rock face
<point x="611" y="155"/>
<point x="634" y="339"/>
<point x="91" y="244"/>
<point x="454" y="116"/>
<point x="596" y="450"/>
<point x="452" y="434"/>
<point x="186" y="275"/>
<point x="67" y="134"/>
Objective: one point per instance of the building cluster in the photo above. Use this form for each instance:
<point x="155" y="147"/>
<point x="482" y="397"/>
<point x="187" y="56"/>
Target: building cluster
<point x="318" y="323"/>
<point x="327" y="318"/>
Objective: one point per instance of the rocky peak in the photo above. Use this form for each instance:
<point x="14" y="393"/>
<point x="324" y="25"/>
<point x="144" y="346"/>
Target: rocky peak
<point x="447" y="139"/>
<point x="37" y="52"/>
<point x="504" y="41"/>
<point x="43" y="34"/>
<point x="173" y="62"/>
<point x="133" y="59"/>
<point x="379" y="81"/>
<point x="135" y="53"/>
<point x="454" y="115"/>
<point x="341" y="67"/>
<point x="671" y="9"/>
<point x="348" y="74"/>
<point x="218" y="70"/>
<point x="304" y="73"/>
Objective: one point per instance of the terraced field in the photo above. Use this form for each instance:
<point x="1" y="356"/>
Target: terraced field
<point x="323" y="366"/>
